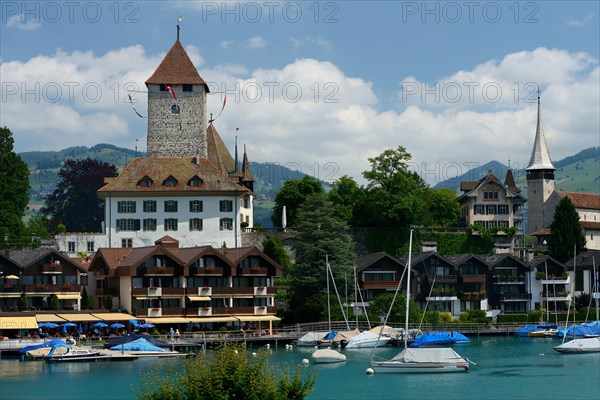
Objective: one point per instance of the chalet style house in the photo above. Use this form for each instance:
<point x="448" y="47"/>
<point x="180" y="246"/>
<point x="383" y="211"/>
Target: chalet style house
<point x="168" y="284"/>
<point x="492" y="203"/>
<point x="40" y="275"/>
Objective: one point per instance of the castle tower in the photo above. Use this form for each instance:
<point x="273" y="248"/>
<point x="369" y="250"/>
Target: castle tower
<point x="540" y="180"/>
<point x="176" y="108"/>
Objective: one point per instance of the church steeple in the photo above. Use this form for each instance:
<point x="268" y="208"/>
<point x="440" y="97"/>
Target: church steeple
<point x="540" y="157"/>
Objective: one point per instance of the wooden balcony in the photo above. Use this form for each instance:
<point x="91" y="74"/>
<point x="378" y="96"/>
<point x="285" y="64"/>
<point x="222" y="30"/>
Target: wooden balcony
<point x="380" y="284"/>
<point x="10" y="288"/>
<point x="473" y="278"/>
<point x="52" y="268"/>
<point x="253" y="271"/>
<point x="443" y="279"/>
<point x="207" y="271"/>
<point x="159" y="271"/>
<point x="172" y="291"/>
<point x="46" y="288"/>
<point x="472" y="296"/>
<point x="229" y="291"/>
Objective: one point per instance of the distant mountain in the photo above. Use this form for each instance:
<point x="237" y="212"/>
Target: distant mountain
<point x="44" y="167"/>
<point x="576" y="173"/>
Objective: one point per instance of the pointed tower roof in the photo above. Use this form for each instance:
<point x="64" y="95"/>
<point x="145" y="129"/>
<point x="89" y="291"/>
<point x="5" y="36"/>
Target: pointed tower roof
<point x="509" y="181"/>
<point x="217" y="151"/>
<point x="540" y="157"/>
<point x="246" y="173"/>
<point x="177" y="69"/>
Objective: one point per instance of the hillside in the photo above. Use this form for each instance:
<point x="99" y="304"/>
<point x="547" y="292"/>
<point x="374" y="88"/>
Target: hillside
<point x="44" y="167"/>
<point x="576" y="173"/>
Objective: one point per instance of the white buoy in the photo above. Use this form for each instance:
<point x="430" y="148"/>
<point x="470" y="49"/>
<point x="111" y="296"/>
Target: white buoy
<point x="305" y="361"/>
<point x="268" y="346"/>
<point x="370" y="371"/>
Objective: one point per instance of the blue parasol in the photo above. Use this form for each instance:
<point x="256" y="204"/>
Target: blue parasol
<point x="134" y="322"/>
<point x="99" y="325"/>
<point x="117" y="325"/>
<point x="51" y="325"/>
<point x="69" y="324"/>
<point x="146" y="326"/>
<point x="79" y="329"/>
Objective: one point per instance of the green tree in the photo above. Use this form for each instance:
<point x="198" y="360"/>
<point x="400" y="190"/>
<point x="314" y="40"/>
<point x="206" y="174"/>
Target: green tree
<point x="108" y="303"/>
<point x="346" y="195"/>
<point x="14" y="186"/>
<point x="273" y="248"/>
<point x="36" y="229"/>
<point x="380" y="306"/>
<point x="395" y="196"/>
<point x="24" y="301"/>
<point x="291" y="195"/>
<point x="319" y="233"/>
<point x="55" y="302"/>
<point x="566" y="234"/>
<point x="74" y="202"/>
<point x="84" y="298"/>
<point x="442" y="206"/>
<point x="232" y="374"/>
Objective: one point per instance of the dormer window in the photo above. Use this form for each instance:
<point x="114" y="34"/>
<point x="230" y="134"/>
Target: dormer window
<point x="195" y="181"/>
<point x="145" y="182"/>
<point x="170" y="182"/>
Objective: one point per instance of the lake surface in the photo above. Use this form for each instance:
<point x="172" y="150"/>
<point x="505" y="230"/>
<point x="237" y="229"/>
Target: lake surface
<point x="509" y="368"/>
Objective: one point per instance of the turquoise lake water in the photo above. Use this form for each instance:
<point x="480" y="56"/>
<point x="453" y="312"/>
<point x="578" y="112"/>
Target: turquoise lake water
<point x="509" y="368"/>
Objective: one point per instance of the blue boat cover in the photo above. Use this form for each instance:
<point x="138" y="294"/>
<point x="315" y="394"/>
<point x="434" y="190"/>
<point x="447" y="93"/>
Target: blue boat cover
<point x="526" y="329"/>
<point x="135" y="336"/>
<point x="140" y="344"/>
<point x="575" y="331"/>
<point x="329" y="336"/>
<point x="52" y="343"/>
<point x="438" y="339"/>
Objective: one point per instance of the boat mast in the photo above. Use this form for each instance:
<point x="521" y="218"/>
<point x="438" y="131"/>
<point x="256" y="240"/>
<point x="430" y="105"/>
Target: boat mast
<point x="595" y="292"/>
<point x="547" y="308"/>
<point x="408" y="290"/>
<point x="355" y="295"/>
<point x="328" y="301"/>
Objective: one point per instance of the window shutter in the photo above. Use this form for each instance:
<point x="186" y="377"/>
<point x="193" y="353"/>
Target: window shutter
<point x="175" y="208"/>
<point x="134" y="205"/>
<point x="117" y="225"/>
<point x="136" y="225"/>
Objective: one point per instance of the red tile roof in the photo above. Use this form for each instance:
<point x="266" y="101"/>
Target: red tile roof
<point x="581" y="200"/>
<point x="177" y="69"/>
<point x="180" y="168"/>
<point x="590" y="225"/>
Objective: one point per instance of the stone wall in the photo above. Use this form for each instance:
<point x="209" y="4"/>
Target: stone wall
<point x="177" y="135"/>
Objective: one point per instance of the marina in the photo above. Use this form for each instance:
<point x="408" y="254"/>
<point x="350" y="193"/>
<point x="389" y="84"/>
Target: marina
<point x="509" y="368"/>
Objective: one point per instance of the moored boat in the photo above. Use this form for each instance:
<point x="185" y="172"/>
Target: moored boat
<point x="327" y="356"/>
<point x="423" y="360"/>
<point x="73" y="355"/>
<point x="585" y="345"/>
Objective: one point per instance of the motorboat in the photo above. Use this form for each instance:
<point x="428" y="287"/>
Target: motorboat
<point x="584" y="345"/>
<point x="366" y="339"/>
<point x="311" y="339"/>
<point x="326" y="356"/>
<point x="423" y="359"/>
<point x="526" y="330"/>
<point x="544" y="333"/>
<point x="73" y="355"/>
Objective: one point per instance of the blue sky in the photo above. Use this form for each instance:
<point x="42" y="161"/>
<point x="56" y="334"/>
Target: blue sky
<point x="317" y="86"/>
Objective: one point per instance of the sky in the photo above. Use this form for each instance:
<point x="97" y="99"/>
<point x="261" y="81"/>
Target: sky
<point x="319" y="87"/>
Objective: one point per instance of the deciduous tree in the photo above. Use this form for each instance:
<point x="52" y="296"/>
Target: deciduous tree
<point x="74" y="202"/>
<point x="292" y="195"/>
<point x="14" y="186"/>
<point x="443" y="207"/>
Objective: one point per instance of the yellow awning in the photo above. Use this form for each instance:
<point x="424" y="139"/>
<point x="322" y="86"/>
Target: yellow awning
<point x="28" y="322"/>
<point x="253" y="318"/>
<point x="213" y="319"/>
<point x="68" y="296"/>
<point x="78" y="317"/>
<point x="48" y="318"/>
<point x="168" y="320"/>
<point x="199" y="298"/>
<point x="10" y="294"/>
<point x="114" y="316"/>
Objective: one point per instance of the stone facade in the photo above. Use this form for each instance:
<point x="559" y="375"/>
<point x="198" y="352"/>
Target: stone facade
<point x="177" y="135"/>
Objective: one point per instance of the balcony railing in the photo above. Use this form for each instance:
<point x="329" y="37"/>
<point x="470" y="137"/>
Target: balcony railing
<point x="159" y="271"/>
<point x="253" y="271"/>
<point x="472" y="296"/>
<point x="380" y="284"/>
<point x="473" y="278"/>
<point x="52" y="268"/>
<point x="42" y="287"/>
<point x="514" y="297"/>
<point x="207" y="271"/>
<point x="443" y="278"/>
<point x="10" y="288"/>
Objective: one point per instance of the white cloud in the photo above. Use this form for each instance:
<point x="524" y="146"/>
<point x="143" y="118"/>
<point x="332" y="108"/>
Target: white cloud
<point x="320" y="42"/>
<point x="16" y="21"/>
<point x="588" y="17"/>
<point x="311" y="116"/>
<point x="226" y="43"/>
<point x="256" y="42"/>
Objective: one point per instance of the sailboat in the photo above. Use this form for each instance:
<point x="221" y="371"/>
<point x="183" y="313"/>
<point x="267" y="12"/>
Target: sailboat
<point x="544" y="330"/>
<point x="420" y="359"/>
<point x="582" y="345"/>
<point x="329" y="355"/>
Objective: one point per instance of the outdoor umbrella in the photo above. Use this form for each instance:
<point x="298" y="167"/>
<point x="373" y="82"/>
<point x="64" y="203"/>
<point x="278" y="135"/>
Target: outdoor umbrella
<point x="12" y="277"/>
<point x="51" y="325"/>
<point x="134" y="322"/>
<point x="99" y="325"/>
<point x="117" y="325"/>
<point x="79" y="329"/>
<point x="43" y="324"/>
<point x="146" y="326"/>
<point x="68" y="324"/>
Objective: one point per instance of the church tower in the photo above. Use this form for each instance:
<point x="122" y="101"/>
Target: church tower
<point x="540" y="180"/>
<point x="176" y="108"/>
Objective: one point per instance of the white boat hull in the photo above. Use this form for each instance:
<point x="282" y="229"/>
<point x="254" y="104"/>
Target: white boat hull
<point x="586" y="345"/>
<point x="398" y="368"/>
